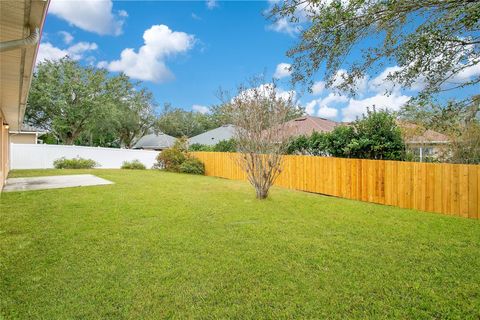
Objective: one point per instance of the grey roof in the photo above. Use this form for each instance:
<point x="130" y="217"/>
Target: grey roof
<point x="29" y="128"/>
<point x="155" y="141"/>
<point x="214" y="136"/>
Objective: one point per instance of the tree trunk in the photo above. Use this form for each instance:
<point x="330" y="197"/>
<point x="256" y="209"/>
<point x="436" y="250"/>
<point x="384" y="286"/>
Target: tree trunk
<point x="261" y="193"/>
<point x="69" y="140"/>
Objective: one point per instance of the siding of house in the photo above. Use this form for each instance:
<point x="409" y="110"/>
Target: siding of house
<point x="4" y="152"/>
<point x="23" y="138"/>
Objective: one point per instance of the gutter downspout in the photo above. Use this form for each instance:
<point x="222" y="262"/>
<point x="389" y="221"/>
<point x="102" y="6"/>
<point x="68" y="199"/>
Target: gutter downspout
<point x="31" y="40"/>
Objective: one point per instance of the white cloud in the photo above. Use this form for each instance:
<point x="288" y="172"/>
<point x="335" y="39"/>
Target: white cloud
<point x="90" y="60"/>
<point x="282" y="70"/>
<point x="361" y="85"/>
<point x="324" y="110"/>
<point x="332" y="98"/>
<point x="303" y="13"/>
<point x="310" y="107"/>
<point x="318" y="87"/>
<point x="327" y="112"/>
<point x="356" y="108"/>
<point x="287" y="94"/>
<point x="370" y="92"/>
<point x="338" y="79"/>
<point x="382" y="84"/>
<point x="67" y="37"/>
<point x="148" y="63"/>
<point x="76" y="51"/>
<point x="379" y="91"/>
<point x="467" y="74"/>
<point x="211" y="4"/>
<point x="90" y="15"/>
<point x="195" y="16"/>
<point x="266" y="90"/>
<point x="102" y="64"/>
<point x="47" y="51"/>
<point x="201" y="109"/>
<point x="282" y="25"/>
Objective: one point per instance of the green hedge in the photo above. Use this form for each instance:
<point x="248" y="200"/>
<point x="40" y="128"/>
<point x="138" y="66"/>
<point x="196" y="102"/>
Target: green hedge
<point x="134" y="164"/>
<point x="75" y="163"/>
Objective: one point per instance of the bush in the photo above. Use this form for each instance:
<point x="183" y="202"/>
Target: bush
<point x="181" y="144"/>
<point x="170" y="159"/>
<point x="134" y="164"/>
<point x="192" y="166"/>
<point x="75" y="163"/>
<point x="176" y="159"/>
<point x="221" y="146"/>
<point x="225" y="146"/>
<point x="199" y="147"/>
<point x="375" y="136"/>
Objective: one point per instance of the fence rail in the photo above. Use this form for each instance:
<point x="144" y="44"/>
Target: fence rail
<point x="450" y="189"/>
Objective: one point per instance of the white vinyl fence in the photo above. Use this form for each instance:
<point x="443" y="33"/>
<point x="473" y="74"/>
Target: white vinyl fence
<point x="41" y="156"/>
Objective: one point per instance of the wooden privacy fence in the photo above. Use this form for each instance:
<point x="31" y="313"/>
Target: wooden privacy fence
<point x="451" y="189"/>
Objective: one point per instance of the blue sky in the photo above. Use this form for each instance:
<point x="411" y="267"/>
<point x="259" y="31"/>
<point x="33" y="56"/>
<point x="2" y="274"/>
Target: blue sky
<point x="184" y="51"/>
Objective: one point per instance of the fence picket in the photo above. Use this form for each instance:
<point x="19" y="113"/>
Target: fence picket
<point x="451" y="189"/>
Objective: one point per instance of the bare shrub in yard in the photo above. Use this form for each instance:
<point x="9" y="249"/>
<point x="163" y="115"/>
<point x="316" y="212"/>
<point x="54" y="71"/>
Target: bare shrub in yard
<point x="259" y="113"/>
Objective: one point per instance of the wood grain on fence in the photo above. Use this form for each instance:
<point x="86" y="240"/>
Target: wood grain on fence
<point x="451" y="189"/>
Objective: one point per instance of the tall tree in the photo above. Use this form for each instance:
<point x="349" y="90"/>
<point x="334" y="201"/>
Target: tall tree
<point x="66" y="97"/>
<point x="134" y="115"/>
<point x="181" y="123"/>
<point x="435" y="43"/>
<point x="86" y="106"/>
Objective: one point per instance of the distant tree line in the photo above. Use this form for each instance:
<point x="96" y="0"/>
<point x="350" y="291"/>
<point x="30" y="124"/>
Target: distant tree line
<point x="84" y="105"/>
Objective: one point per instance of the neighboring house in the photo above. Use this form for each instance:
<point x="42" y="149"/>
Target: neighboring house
<point x="212" y="137"/>
<point x="154" y="141"/>
<point x="21" y="24"/>
<point x="305" y="126"/>
<point x="26" y="135"/>
<point x="424" y="142"/>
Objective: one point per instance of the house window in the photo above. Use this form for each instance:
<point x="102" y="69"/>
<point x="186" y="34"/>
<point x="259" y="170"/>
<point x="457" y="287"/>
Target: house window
<point x="428" y="151"/>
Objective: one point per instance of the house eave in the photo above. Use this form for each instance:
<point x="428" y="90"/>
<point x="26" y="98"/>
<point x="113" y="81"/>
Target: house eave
<point x="17" y="20"/>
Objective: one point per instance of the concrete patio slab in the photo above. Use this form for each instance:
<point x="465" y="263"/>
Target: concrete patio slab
<point x="53" y="182"/>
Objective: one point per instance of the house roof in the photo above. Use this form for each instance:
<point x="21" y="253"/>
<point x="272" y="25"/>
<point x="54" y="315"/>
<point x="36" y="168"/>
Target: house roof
<point x="155" y="141"/>
<point x="31" y="129"/>
<point x="413" y="133"/>
<point x="19" y="19"/>
<point x="307" y="125"/>
<point x="214" y="136"/>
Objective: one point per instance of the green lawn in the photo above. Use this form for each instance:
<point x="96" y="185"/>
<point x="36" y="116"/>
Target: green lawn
<point x="163" y="245"/>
